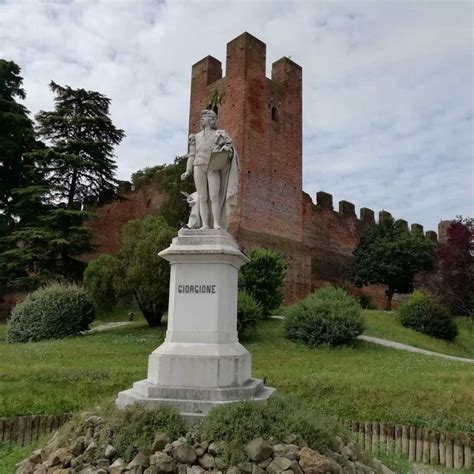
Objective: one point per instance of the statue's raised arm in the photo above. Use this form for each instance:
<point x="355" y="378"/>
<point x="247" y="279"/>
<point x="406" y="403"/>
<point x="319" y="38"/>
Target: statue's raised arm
<point x="213" y="161"/>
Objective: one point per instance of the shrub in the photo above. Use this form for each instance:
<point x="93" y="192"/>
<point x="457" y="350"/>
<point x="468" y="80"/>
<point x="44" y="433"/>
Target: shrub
<point x="52" y="312"/>
<point x="328" y="316"/>
<point x="248" y="313"/>
<point x="423" y="312"/>
<point x="281" y="416"/>
<point x="262" y="277"/>
<point x="99" y="281"/>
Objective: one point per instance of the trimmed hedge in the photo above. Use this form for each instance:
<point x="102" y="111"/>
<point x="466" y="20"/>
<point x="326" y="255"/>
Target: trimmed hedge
<point x="52" y="312"/>
<point x="424" y="313"/>
<point x="329" y="316"/>
<point x="248" y="313"/>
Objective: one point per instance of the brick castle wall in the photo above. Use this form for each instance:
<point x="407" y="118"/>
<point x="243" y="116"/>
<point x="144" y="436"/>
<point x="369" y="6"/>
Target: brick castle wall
<point x="264" y="118"/>
<point x="110" y="218"/>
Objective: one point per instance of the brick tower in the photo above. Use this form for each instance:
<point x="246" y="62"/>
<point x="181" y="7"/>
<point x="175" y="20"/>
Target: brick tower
<point x="264" y="118"/>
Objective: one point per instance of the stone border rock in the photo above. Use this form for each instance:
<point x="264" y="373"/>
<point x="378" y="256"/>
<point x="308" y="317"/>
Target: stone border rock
<point x="94" y="453"/>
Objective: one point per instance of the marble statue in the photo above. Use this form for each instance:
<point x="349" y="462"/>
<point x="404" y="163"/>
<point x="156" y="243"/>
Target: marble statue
<point x="213" y="161"/>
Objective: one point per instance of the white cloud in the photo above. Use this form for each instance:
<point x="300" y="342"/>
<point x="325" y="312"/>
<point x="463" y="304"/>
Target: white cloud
<point x="388" y="97"/>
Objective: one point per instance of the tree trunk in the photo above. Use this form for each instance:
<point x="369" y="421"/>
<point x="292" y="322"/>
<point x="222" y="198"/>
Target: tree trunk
<point x="388" y="299"/>
<point x="152" y="315"/>
<point x="72" y="190"/>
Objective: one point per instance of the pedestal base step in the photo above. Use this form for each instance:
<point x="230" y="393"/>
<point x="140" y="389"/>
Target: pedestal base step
<point x="192" y="403"/>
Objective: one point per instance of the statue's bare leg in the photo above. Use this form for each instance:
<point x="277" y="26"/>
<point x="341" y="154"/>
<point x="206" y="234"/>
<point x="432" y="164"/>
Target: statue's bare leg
<point x="200" y="180"/>
<point x="214" y="182"/>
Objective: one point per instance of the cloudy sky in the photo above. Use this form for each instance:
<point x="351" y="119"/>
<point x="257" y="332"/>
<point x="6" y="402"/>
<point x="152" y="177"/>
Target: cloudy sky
<point x="388" y="86"/>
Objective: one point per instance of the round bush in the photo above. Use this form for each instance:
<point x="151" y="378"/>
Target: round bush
<point x="248" y="313"/>
<point x="52" y="312"/>
<point x="329" y="316"/>
<point x="423" y="312"/>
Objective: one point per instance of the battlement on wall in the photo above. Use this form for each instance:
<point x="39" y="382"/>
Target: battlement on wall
<point x="264" y="118"/>
<point x="346" y="210"/>
<point x="245" y="59"/>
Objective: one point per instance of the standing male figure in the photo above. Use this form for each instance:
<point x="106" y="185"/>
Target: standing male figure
<point x="213" y="161"/>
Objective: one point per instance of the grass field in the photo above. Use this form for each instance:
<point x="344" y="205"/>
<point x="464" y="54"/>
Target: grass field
<point x="387" y="326"/>
<point x="364" y="382"/>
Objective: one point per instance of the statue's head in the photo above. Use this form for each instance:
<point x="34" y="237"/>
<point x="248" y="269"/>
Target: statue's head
<point x="210" y="117"/>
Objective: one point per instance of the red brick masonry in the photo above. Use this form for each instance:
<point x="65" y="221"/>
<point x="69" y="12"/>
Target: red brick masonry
<point x="264" y="118"/>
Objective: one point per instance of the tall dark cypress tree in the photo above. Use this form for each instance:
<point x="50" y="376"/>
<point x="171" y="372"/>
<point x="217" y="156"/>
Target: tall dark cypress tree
<point x="21" y="180"/>
<point x="80" y="161"/>
<point x="22" y="184"/>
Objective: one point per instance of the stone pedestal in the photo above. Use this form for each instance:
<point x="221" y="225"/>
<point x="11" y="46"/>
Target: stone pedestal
<point x="201" y="364"/>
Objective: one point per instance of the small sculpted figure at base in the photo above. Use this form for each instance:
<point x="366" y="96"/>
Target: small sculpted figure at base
<point x="213" y="161"/>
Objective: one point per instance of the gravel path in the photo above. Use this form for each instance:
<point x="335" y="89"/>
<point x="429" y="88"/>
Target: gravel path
<point x="105" y="327"/>
<point x="405" y="347"/>
<point x="374" y="340"/>
<point x="402" y="347"/>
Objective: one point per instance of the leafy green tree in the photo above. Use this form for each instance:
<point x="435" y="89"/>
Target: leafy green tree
<point x="454" y="280"/>
<point x="262" y="277"/>
<point x="388" y="254"/>
<point x="141" y="271"/>
<point x="99" y="281"/>
<point x="80" y="161"/>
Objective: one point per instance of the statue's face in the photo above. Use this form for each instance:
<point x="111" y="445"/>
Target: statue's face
<point x="206" y="121"/>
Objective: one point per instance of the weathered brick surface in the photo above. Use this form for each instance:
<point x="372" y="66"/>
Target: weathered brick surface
<point x="7" y="303"/>
<point x="270" y="150"/>
<point x="110" y="218"/>
<point x="264" y="118"/>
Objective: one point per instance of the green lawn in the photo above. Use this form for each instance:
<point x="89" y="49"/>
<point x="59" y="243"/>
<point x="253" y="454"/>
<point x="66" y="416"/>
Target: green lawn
<point x="368" y="382"/>
<point x="364" y="382"/>
<point x="10" y="454"/>
<point x="387" y="326"/>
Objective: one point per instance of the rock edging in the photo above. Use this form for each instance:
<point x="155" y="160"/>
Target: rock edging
<point x="90" y="454"/>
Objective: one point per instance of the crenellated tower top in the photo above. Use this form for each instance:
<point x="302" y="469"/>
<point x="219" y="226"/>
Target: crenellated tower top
<point x="264" y="118"/>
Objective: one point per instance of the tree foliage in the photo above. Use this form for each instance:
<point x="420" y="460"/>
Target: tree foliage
<point x="46" y="251"/>
<point x="80" y="161"/>
<point x="262" y="277"/>
<point x="21" y="179"/>
<point x="41" y="227"/>
<point x="248" y="313"/>
<point x="22" y="183"/>
<point x="388" y="254"/>
<point x="166" y="178"/>
<point x="99" y="281"/>
<point x="453" y="281"/>
<point x="141" y="271"/>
